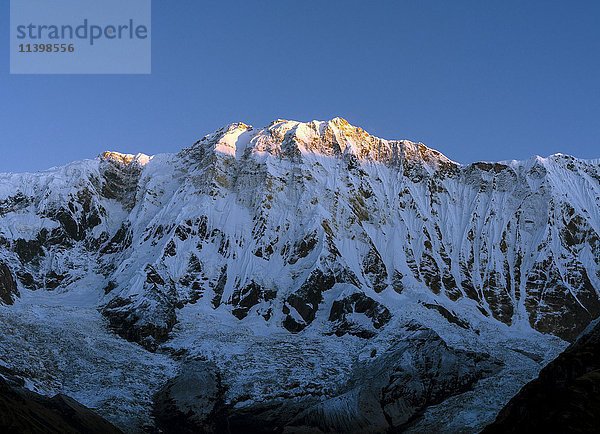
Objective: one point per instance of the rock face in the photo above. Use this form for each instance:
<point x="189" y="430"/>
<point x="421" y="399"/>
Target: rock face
<point x="359" y="304"/>
<point x="24" y="411"/>
<point x="8" y="286"/>
<point x="564" y="398"/>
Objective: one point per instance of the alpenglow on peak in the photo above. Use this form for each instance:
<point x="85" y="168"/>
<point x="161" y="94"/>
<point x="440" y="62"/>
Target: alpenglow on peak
<point x="333" y="138"/>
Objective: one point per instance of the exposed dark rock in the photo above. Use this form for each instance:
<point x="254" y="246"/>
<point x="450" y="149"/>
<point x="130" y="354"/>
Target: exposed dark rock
<point x="272" y="416"/>
<point x="170" y="249"/>
<point x="149" y="325"/>
<point x="8" y="286"/>
<point x="29" y="251"/>
<point x="451" y="286"/>
<point x="430" y="271"/>
<point x="565" y="398"/>
<point x="374" y="269"/>
<point x="14" y="203"/>
<point x="153" y="277"/>
<point x="120" y="178"/>
<point x="552" y="306"/>
<point x="220" y="287"/>
<point x="109" y="287"/>
<point x="489" y="167"/>
<point x="358" y="303"/>
<point x="498" y="298"/>
<point x="450" y="316"/>
<point x="244" y="299"/>
<point x="120" y="241"/>
<point x="27" y="280"/>
<point x="307" y="299"/>
<point x="69" y="224"/>
<point x="54" y="280"/>
<point x="303" y="248"/>
<point x="397" y="281"/>
<point x="194" y="265"/>
<point x="193" y="279"/>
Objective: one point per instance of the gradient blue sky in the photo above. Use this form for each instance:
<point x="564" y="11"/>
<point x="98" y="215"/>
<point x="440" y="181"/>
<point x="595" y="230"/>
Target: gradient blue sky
<point x="477" y="80"/>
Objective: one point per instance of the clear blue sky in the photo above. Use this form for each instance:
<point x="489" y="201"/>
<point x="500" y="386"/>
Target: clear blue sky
<point x="477" y="80"/>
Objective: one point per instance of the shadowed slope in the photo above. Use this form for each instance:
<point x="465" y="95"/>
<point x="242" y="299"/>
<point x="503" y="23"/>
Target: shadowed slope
<point x="564" y="398"/>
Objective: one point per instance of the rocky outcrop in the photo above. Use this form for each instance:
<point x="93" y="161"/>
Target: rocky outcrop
<point x="8" y="286"/>
<point x="564" y="398"/>
<point x="244" y="299"/>
<point x="193" y="401"/>
<point x="306" y="301"/>
<point x="343" y="312"/>
<point x="121" y="174"/>
<point x="149" y="324"/>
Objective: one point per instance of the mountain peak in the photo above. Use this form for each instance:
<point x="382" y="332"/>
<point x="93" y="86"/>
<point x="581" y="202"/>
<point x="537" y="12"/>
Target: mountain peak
<point x="332" y="138"/>
<point x="125" y="159"/>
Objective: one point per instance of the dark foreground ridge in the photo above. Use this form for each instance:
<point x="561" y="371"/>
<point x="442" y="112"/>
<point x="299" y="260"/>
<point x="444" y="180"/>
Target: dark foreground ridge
<point x="564" y="398"/>
<point x="23" y="411"/>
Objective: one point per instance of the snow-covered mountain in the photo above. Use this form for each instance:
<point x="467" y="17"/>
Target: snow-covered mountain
<point x="316" y="275"/>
